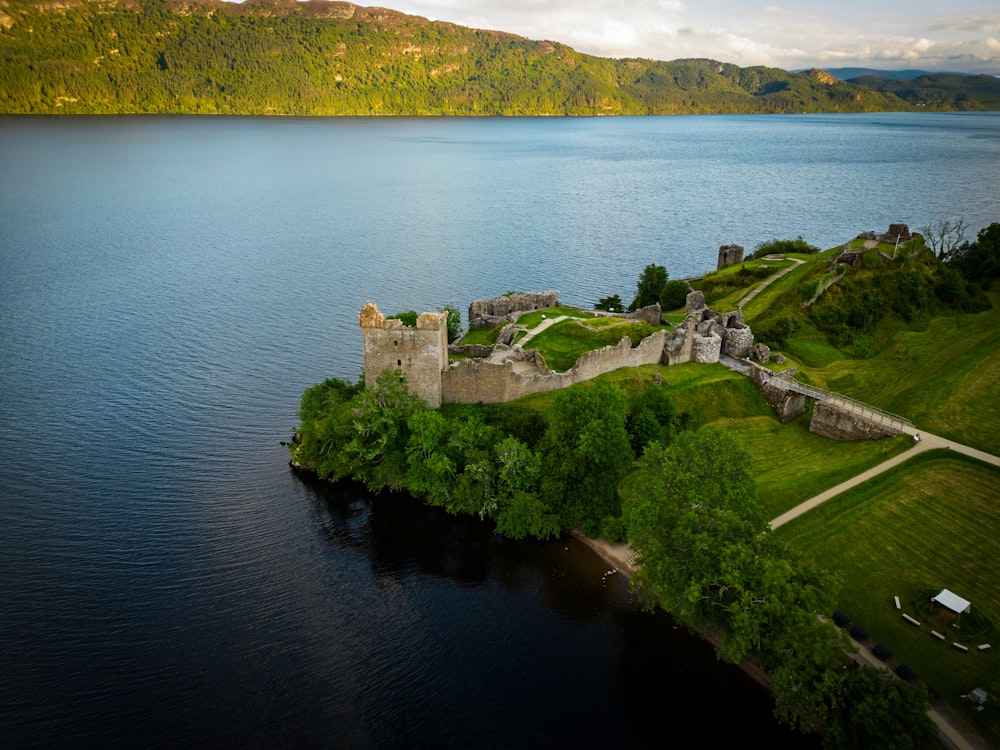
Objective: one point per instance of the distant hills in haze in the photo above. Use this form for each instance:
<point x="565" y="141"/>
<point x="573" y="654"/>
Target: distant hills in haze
<point x="847" y="74"/>
<point x="336" y="58"/>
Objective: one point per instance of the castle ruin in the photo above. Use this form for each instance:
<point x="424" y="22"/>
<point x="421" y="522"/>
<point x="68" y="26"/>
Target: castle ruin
<point x="500" y="373"/>
<point x="421" y="352"/>
<point x="729" y="255"/>
<point x="504" y="372"/>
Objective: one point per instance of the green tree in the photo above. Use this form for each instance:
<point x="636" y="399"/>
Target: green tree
<point x="610" y="304"/>
<point x="586" y="452"/>
<point x="649" y="287"/>
<point x="871" y="708"/>
<point x="454" y="322"/>
<point x="376" y="453"/>
<point x="326" y="425"/>
<point x="520" y="510"/>
<point x="651" y="418"/>
<point x="674" y="295"/>
<point x="431" y="469"/>
<point x="696" y="521"/>
<point x="980" y="259"/>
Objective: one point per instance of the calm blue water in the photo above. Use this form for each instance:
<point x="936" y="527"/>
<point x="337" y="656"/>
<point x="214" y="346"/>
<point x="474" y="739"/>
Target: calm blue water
<point x="169" y="286"/>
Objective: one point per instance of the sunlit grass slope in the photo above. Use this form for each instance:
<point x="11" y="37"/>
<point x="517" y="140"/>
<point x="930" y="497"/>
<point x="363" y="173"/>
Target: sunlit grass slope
<point x="932" y="523"/>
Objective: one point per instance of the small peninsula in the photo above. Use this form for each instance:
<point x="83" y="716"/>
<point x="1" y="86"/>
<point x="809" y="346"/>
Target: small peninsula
<point x="701" y="437"/>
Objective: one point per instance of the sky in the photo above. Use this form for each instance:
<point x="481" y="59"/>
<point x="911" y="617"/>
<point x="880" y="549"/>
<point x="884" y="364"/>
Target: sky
<point x="933" y="35"/>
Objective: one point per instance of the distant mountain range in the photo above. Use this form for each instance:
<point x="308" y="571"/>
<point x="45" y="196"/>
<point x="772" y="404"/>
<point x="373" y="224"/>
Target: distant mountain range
<point x="336" y="58"/>
<point x="847" y="74"/>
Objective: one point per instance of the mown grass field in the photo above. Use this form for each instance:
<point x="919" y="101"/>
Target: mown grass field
<point x="944" y="378"/>
<point x="792" y="464"/>
<point x="932" y="523"/>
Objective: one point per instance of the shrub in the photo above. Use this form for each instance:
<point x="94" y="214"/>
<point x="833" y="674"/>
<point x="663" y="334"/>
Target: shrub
<point x="674" y="295"/>
<point x="409" y="318"/>
<point x="776" y="331"/>
<point x="781" y="247"/>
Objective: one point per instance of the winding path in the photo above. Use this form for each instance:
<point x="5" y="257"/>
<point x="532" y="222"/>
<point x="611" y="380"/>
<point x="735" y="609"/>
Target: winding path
<point x="927" y="442"/>
<point x="770" y="280"/>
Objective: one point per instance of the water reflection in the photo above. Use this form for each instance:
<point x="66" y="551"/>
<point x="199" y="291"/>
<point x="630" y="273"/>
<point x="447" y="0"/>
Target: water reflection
<point x="512" y="627"/>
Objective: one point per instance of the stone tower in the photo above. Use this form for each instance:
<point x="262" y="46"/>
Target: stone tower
<point x="729" y="254"/>
<point x="421" y="353"/>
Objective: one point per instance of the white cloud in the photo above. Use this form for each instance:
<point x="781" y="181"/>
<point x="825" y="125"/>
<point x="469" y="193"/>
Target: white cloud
<point x="792" y="35"/>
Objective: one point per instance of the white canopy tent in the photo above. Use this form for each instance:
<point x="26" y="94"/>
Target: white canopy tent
<point x="952" y="601"/>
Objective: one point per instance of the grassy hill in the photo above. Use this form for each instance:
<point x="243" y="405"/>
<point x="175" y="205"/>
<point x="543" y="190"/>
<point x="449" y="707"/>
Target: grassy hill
<point x="939" y="91"/>
<point x="336" y="58"/>
<point x="931" y="523"/>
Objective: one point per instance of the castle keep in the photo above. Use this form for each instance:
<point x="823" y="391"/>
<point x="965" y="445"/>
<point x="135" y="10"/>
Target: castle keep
<point x="420" y="352"/>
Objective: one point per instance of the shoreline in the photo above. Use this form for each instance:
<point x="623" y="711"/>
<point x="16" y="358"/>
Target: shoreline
<point x="953" y="733"/>
<point x="618" y="555"/>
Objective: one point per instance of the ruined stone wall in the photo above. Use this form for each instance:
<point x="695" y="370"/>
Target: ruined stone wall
<point x="786" y="403"/>
<point x="474" y="381"/>
<point x="706" y="348"/>
<point x="480" y="381"/>
<point x="599" y="361"/>
<point x="677" y="347"/>
<point x="729" y="255"/>
<point x="833" y="421"/>
<point x="496" y="310"/>
<point x="738" y="342"/>
<point x="421" y="352"/>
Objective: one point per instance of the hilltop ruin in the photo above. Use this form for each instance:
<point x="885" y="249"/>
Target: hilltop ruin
<point x="505" y="371"/>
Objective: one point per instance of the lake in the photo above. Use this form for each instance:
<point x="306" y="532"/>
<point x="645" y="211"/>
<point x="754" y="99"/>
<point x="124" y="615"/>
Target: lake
<point x="170" y="286"/>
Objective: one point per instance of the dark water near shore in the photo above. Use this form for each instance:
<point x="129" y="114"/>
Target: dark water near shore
<point x="169" y="287"/>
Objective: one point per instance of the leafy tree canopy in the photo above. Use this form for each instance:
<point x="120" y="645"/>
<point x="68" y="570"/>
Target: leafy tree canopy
<point x="586" y="452"/>
<point x="651" y="282"/>
<point x="610" y="304"/>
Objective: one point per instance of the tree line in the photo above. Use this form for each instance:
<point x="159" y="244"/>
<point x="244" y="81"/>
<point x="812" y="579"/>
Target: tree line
<point x="708" y="556"/>
<point x="152" y="56"/>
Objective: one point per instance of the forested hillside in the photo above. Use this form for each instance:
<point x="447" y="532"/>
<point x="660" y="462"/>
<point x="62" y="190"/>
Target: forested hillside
<point x="336" y="58"/>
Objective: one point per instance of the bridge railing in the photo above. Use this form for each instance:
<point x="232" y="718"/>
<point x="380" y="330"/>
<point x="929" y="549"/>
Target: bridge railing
<point x="870" y="412"/>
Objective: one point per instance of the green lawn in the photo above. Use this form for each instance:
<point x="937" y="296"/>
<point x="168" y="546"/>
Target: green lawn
<point x="563" y="343"/>
<point x="792" y="464"/>
<point x="532" y="319"/>
<point x="480" y="335"/>
<point x="932" y="523"/>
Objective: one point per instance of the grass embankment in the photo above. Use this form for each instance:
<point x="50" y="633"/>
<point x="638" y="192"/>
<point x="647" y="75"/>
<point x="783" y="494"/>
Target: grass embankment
<point x="932" y="523"/>
<point x="724" y="288"/>
<point x="791" y="464"/>
<point x="944" y="378"/>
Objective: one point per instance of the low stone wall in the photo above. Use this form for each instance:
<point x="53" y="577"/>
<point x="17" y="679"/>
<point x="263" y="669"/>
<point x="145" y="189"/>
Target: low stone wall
<point x="470" y="350"/>
<point x="480" y="381"/>
<point x="494" y="311"/>
<point x="838" y="423"/>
